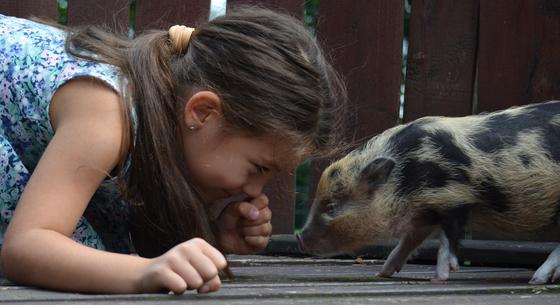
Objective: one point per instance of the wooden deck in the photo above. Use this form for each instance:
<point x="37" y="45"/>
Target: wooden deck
<point x="300" y="280"/>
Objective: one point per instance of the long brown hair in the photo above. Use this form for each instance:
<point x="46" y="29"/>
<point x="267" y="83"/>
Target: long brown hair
<point x="268" y="71"/>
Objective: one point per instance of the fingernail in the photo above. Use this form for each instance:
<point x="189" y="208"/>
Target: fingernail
<point x="253" y="213"/>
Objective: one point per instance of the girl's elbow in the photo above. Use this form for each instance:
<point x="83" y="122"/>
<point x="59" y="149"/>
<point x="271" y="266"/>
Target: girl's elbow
<point x="10" y="260"/>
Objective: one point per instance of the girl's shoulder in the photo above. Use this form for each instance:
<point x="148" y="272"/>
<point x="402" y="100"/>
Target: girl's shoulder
<point x="91" y="106"/>
<point x="34" y="62"/>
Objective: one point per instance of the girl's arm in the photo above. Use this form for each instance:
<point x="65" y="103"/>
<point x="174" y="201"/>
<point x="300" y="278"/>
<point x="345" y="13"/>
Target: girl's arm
<point x="37" y="250"/>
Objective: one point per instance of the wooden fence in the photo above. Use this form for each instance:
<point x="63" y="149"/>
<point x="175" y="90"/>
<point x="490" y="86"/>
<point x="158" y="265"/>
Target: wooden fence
<point x="464" y="56"/>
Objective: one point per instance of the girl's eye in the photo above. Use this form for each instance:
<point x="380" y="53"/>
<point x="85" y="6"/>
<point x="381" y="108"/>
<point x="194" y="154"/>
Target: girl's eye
<point x="261" y="169"/>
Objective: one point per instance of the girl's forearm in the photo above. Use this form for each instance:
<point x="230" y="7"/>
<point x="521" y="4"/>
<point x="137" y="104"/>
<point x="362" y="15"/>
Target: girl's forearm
<point x="48" y="259"/>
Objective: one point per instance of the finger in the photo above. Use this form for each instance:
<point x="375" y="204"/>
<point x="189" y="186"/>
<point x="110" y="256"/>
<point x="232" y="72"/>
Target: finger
<point x="174" y="282"/>
<point x="215" y="256"/>
<point x="212" y="285"/>
<point x="189" y="274"/>
<point x="238" y="210"/>
<point x="247" y="210"/>
<point x="260" y="202"/>
<point x="265" y="215"/>
<point x="204" y="266"/>
<point x="257" y="242"/>
<point x="262" y="229"/>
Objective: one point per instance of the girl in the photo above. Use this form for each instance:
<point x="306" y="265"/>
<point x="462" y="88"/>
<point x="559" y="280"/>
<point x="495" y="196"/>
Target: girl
<point x="178" y="119"/>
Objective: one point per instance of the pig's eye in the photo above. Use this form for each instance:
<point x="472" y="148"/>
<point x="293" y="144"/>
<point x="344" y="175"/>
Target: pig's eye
<point x="331" y="209"/>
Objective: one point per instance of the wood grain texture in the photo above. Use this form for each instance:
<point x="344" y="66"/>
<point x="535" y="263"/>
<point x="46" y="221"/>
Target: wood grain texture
<point x="111" y="14"/>
<point x="441" y="58"/>
<point x="364" y="39"/>
<point x="27" y="8"/>
<point x="518" y="57"/>
<point x="165" y="13"/>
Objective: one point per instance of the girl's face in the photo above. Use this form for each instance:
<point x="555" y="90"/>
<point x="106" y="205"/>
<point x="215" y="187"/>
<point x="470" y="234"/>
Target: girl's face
<point x="223" y="165"/>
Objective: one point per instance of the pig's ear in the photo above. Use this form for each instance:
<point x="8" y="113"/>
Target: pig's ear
<point x="374" y="174"/>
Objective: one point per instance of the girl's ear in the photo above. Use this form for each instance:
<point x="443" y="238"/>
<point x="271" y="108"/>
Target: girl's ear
<point x="201" y="106"/>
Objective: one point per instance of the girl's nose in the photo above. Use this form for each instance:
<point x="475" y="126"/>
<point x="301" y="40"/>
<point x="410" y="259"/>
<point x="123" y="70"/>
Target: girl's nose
<point x="253" y="189"/>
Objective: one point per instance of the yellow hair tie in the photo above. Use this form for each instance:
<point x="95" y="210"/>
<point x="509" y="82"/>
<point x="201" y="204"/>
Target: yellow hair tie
<point x="180" y="36"/>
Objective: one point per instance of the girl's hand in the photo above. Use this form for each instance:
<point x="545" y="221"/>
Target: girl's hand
<point x="193" y="264"/>
<point x="244" y="227"/>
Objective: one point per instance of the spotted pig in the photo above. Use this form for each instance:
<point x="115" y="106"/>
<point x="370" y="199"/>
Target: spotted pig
<point x="498" y="172"/>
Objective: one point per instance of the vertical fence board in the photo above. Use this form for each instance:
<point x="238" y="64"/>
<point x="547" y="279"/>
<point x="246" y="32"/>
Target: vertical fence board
<point x="441" y="58"/>
<point x="291" y="7"/>
<point x="518" y="61"/>
<point x="365" y="40"/>
<point x="281" y="190"/>
<point x="165" y="13"/>
<point x="110" y="13"/>
<point x="27" y="8"/>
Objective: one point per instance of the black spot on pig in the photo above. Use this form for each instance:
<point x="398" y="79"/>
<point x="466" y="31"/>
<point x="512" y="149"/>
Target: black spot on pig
<point x="417" y="175"/>
<point x="492" y="196"/>
<point x="449" y="149"/>
<point x="501" y="130"/>
<point x="526" y="160"/>
<point x="545" y="112"/>
<point x="408" y="139"/>
<point x="500" y="133"/>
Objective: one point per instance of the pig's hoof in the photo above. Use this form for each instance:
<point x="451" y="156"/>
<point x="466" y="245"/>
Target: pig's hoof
<point x="438" y="279"/>
<point x="387" y="272"/>
<point x="444" y="268"/>
<point x="545" y="275"/>
<point x="384" y="274"/>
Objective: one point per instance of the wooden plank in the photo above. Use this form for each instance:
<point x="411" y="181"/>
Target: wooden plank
<point x="365" y="40"/>
<point x="270" y="280"/>
<point x="290" y="7"/>
<point x="441" y="58"/>
<point x="27" y="8"/>
<point x="165" y="13"/>
<point x="281" y="193"/>
<point x="518" y="58"/>
<point x="112" y="14"/>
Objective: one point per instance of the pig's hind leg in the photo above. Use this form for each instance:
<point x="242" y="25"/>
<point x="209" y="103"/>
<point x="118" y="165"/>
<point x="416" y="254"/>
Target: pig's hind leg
<point x="549" y="271"/>
<point x="398" y="257"/>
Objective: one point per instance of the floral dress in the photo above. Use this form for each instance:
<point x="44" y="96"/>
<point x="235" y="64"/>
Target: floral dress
<point x="33" y="65"/>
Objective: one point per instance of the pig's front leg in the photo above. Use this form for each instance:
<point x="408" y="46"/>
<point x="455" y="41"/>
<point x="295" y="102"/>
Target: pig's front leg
<point x="398" y="257"/>
<point x="549" y="271"/>
<point x="446" y="260"/>
<point x="452" y="223"/>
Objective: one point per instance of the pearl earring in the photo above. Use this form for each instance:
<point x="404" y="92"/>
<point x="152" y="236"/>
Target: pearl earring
<point x="192" y="127"/>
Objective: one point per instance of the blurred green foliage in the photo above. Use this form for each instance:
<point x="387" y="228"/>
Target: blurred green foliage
<point x="62" y="9"/>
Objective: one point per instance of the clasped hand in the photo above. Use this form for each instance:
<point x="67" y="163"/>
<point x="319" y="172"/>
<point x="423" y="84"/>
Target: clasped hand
<point x="244" y="227"/>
